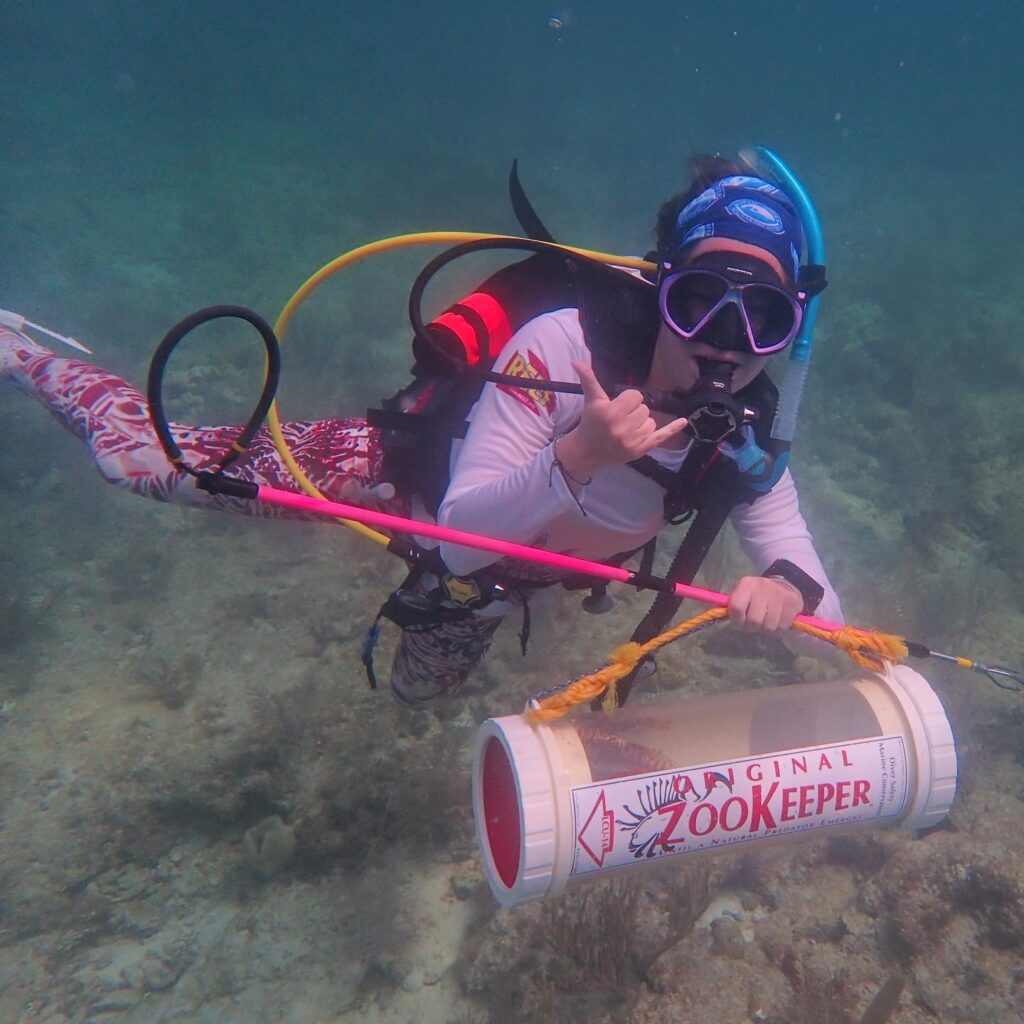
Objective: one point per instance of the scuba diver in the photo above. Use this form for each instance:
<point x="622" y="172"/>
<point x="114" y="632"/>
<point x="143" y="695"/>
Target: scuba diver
<point x="673" y="424"/>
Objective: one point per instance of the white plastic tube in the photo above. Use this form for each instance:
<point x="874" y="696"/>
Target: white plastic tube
<point x="672" y="778"/>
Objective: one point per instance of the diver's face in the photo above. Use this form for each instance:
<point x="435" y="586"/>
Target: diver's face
<point x="723" y="338"/>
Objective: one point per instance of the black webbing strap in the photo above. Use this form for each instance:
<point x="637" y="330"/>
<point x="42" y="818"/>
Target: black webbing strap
<point x="692" y="551"/>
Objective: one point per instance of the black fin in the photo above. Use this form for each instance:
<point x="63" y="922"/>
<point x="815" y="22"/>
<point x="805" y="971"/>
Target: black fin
<point x="531" y="224"/>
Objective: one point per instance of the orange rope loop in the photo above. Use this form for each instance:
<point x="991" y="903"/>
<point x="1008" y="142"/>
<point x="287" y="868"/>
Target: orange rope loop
<point x="622" y="660"/>
<point x="865" y="647"/>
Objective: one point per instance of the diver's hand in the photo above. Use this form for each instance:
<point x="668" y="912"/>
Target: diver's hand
<point x="768" y="604"/>
<point x="611" y="431"/>
<point x="367" y="495"/>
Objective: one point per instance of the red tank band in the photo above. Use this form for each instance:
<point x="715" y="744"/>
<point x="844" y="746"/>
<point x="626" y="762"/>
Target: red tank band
<point x="484" y="310"/>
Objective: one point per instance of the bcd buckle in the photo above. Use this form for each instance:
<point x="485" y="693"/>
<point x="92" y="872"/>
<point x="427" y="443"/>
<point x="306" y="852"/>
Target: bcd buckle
<point x="463" y="591"/>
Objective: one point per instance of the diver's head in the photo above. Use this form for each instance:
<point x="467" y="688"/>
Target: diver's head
<point x="729" y="259"/>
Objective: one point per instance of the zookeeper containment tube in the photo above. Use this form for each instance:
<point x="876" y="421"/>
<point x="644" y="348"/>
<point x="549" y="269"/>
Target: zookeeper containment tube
<point x="673" y="777"/>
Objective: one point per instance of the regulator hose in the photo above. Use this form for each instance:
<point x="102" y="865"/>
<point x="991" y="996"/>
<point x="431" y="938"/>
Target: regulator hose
<point x="155" y="384"/>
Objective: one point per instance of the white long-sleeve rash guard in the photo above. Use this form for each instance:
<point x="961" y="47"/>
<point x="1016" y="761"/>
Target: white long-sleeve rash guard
<point x="504" y="483"/>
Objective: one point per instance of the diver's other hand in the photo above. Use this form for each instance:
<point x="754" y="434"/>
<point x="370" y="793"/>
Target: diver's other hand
<point x="365" y="495"/>
<point x="768" y="604"/>
<point x="611" y="431"/>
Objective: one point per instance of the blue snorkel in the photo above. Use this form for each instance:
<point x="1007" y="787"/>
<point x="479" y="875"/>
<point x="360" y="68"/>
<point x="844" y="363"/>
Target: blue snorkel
<point x="763" y="205"/>
<point x="812" y="280"/>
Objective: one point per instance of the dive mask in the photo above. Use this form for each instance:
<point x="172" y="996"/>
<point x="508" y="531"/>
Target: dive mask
<point x="733" y="301"/>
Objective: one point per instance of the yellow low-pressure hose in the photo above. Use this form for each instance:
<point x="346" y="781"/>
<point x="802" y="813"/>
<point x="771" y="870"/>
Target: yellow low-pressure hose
<point x="353" y="256"/>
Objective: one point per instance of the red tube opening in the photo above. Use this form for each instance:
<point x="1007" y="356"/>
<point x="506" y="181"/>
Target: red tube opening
<point x="501" y="811"/>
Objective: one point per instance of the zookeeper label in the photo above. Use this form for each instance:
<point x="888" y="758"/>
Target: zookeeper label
<point x="663" y="814"/>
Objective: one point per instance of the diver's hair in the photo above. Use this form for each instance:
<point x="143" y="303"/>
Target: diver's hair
<point x="705" y="169"/>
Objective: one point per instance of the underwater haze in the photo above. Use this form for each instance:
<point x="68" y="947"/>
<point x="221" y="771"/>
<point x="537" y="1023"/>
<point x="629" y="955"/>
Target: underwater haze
<point x="205" y="813"/>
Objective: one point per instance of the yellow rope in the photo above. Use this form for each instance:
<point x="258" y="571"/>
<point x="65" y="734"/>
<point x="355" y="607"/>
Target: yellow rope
<point x="867" y="648"/>
<point x="864" y="646"/>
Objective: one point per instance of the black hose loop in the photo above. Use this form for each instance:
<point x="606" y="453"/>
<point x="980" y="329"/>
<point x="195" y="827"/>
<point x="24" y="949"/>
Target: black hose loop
<point x="162" y="355"/>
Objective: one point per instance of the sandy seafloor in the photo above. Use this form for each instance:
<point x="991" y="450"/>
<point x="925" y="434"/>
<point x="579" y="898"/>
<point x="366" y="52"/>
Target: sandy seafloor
<point x="170" y="679"/>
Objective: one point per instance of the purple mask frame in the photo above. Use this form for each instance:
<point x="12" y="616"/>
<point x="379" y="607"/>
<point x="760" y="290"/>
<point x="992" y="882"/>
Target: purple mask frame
<point x="733" y="295"/>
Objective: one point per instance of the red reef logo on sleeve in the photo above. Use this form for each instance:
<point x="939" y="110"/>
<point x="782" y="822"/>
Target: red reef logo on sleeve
<point x="532" y="368"/>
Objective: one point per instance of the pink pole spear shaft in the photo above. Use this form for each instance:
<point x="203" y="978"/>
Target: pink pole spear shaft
<point x="399" y="524"/>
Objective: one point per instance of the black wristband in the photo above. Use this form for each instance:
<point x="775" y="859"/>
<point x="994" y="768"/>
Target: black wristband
<point x="810" y="589"/>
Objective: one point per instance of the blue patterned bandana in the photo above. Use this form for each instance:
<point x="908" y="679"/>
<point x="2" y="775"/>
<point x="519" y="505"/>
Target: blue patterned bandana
<point x="744" y="209"/>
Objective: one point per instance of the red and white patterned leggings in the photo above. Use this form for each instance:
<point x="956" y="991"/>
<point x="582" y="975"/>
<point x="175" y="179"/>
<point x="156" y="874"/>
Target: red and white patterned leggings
<point x="111" y="417"/>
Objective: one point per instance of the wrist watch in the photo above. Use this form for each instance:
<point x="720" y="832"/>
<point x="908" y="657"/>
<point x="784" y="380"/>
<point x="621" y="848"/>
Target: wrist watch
<point x="810" y="589"/>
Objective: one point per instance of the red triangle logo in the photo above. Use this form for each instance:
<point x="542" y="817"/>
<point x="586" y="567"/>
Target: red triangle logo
<point x="597" y="836"/>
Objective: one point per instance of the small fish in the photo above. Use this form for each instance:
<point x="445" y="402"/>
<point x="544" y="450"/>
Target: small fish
<point x="562" y="17"/>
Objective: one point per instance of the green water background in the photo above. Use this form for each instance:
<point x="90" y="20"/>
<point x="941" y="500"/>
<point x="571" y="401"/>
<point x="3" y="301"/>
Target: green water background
<point x="159" y="157"/>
